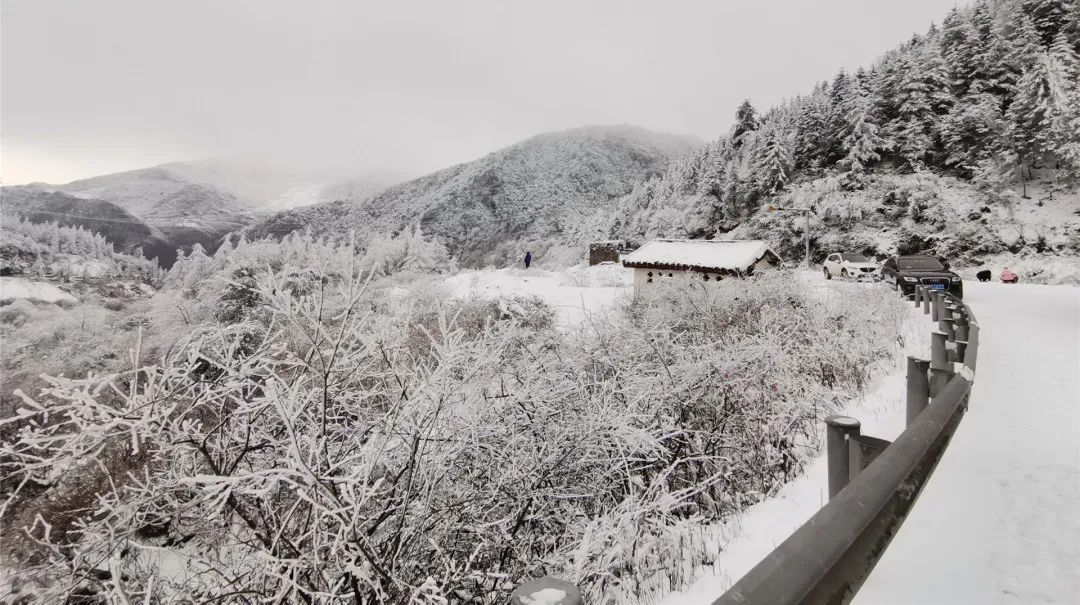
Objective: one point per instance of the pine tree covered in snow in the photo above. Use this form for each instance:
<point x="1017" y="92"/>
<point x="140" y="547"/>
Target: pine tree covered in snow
<point x="773" y="163"/>
<point x="992" y="89"/>
<point x="745" y="121"/>
<point x="864" y="142"/>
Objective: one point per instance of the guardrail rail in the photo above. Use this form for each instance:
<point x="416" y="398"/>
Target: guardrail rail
<point x="873" y="484"/>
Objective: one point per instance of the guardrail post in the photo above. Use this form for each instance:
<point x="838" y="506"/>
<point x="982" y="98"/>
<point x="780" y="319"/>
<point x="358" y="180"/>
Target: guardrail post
<point x="918" y="296"/>
<point x="839" y="429"/>
<point x="935" y="306"/>
<point x="546" y="590"/>
<point x="971" y="351"/>
<point x="862" y="450"/>
<point x="960" y="352"/>
<point x="939" y="378"/>
<point x="946" y="327"/>
<point x="918" y="387"/>
<point x="947" y="312"/>
<point x="960" y="327"/>
<point x="941" y="369"/>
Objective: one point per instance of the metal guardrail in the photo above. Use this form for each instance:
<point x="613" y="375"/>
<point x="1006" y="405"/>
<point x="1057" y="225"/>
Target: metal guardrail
<point x="873" y="484"/>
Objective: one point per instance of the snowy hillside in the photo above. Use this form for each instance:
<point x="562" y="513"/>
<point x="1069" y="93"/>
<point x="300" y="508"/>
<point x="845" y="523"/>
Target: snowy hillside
<point x="124" y="230"/>
<point x="185" y="212"/>
<point x="964" y="141"/>
<point x="910" y="213"/>
<point x="550" y="194"/>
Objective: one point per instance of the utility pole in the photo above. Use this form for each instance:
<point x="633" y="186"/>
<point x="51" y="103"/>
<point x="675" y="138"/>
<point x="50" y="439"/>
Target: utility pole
<point x="806" y="229"/>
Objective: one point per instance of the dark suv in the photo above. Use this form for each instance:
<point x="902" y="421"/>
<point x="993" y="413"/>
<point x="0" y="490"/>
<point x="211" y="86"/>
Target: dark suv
<point x="906" y="272"/>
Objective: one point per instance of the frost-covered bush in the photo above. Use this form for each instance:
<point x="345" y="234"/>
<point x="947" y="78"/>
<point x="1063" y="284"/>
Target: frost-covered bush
<point x="50" y="249"/>
<point x="325" y="446"/>
<point x="409" y="251"/>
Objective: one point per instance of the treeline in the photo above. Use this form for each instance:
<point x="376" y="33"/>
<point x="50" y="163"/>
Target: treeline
<point x="989" y="94"/>
<point x="48" y="248"/>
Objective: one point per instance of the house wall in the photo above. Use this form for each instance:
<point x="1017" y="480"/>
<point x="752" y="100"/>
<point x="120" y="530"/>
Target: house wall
<point x="763" y="263"/>
<point x="646" y="278"/>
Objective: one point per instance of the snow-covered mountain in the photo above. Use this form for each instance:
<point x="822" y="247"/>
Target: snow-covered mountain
<point x="550" y="194"/>
<point x="192" y="202"/>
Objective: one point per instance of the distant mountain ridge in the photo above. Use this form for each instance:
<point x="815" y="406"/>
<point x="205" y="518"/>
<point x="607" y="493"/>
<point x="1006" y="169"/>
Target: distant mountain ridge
<point x="551" y="194"/>
<point x="184" y="203"/>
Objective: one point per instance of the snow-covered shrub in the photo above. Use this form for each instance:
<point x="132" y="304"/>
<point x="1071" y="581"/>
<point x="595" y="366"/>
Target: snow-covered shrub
<point x="325" y="446"/>
<point x="17" y="312"/>
<point x="409" y="251"/>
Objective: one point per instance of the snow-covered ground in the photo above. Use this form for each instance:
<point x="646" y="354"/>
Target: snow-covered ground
<point x="997" y="522"/>
<point x="573" y="292"/>
<point x="18" y="287"/>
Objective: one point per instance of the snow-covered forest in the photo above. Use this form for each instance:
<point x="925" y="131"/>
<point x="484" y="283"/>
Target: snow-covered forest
<point x="988" y="97"/>
<point x="41" y="249"/>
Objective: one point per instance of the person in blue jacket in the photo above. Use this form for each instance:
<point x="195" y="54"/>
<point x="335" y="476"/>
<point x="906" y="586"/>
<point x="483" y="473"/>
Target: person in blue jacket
<point x="528" y="259"/>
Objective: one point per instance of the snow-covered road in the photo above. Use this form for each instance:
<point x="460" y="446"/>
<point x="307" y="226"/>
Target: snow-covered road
<point x="999" y="520"/>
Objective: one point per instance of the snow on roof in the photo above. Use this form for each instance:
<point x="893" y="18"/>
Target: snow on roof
<point x="728" y="255"/>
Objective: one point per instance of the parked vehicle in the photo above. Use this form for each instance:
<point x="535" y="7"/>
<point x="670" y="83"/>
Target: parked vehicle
<point x="852" y="266"/>
<point x="906" y="272"/>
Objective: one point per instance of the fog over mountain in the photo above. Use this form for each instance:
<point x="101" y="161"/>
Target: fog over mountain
<point x="349" y="87"/>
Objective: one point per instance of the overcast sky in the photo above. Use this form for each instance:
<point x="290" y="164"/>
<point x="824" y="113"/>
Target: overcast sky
<point x="94" y="87"/>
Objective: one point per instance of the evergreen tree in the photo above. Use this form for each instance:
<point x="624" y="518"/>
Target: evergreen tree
<point x="1038" y="105"/>
<point x="892" y="71"/>
<point x="1024" y="44"/>
<point x="847" y="98"/>
<point x="974" y="131"/>
<point x="745" y="121"/>
<point x="935" y="77"/>
<point x="956" y="48"/>
<point x="712" y="172"/>
<point x="1064" y="73"/>
<point x="864" y="142"/>
<point x="1072" y="28"/>
<point x="998" y="76"/>
<point x="923" y="96"/>
<point x="1067" y="59"/>
<point x="1050" y="16"/>
<point x="982" y="23"/>
<point x="773" y="163"/>
<point x="811" y="139"/>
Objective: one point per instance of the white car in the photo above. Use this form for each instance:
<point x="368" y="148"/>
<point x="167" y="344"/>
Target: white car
<point x="850" y="266"/>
